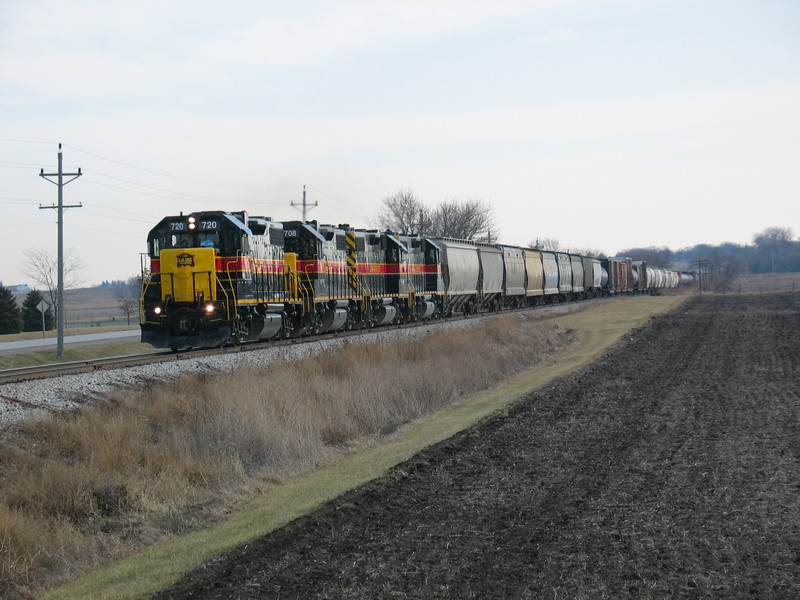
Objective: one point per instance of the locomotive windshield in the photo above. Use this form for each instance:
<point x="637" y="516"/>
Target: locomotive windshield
<point x="171" y="235"/>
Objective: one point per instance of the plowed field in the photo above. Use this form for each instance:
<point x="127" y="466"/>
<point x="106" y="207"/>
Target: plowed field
<point x="670" y="467"/>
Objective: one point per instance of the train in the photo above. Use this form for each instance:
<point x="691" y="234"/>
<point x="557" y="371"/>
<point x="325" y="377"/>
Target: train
<point x="214" y="278"/>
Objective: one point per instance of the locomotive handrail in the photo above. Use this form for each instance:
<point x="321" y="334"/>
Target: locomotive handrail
<point x="301" y="288"/>
<point x="230" y="302"/>
<point x="147" y="278"/>
<point x="229" y="306"/>
<point x="366" y="293"/>
<point x="412" y="294"/>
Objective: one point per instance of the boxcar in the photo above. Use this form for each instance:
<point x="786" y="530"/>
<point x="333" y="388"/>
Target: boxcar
<point x="550" y="266"/>
<point x="534" y="276"/>
<point x="564" y="273"/>
<point x="491" y="275"/>
<point x="514" y="276"/>
<point x="577" y="275"/>
<point x="461" y="270"/>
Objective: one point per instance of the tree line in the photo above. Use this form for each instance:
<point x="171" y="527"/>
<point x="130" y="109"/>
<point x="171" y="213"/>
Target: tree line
<point x="470" y="219"/>
<point x="14" y="319"/>
<point x="773" y="250"/>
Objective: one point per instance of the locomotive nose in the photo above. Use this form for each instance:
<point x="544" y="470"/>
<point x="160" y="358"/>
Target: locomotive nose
<point x="184" y="325"/>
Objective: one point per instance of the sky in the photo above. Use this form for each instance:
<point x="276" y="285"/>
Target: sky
<point x="602" y="124"/>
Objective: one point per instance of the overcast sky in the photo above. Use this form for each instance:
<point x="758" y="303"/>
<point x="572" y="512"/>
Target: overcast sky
<point x="605" y="124"/>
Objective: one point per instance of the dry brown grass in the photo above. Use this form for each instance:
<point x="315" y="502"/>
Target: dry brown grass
<point x="767" y="282"/>
<point x="83" y="487"/>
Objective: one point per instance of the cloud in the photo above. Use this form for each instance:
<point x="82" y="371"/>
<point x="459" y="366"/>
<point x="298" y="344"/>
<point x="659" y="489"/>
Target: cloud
<point x="116" y="50"/>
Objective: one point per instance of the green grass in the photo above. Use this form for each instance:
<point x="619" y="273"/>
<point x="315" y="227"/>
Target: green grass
<point x="278" y="502"/>
<point x="75" y="352"/>
<point x="37" y="335"/>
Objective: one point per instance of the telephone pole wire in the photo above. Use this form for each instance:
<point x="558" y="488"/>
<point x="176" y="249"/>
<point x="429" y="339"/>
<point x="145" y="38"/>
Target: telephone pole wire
<point x="60" y="207"/>
<point x="305" y="205"/>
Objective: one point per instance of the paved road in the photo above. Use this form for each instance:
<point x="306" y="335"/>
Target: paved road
<point x="51" y="343"/>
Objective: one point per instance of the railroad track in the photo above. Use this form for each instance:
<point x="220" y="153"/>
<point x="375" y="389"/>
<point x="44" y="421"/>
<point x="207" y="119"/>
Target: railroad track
<point x="116" y="362"/>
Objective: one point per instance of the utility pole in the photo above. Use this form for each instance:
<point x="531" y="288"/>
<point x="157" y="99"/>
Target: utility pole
<point x="305" y="206"/>
<point x="60" y="207"/>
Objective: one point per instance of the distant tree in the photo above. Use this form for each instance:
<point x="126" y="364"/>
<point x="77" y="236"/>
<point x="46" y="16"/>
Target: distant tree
<point x="134" y="285"/>
<point x="551" y="244"/>
<point x="404" y="212"/>
<point x="652" y="255"/>
<point x="726" y="272"/>
<point x="42" y="267"/>
<point x="470" y="219"/>
<point x="10" y="314"/>
<point x="32" y="317"/>
<point x="773" y="236"/>
<point x="590" y="252"/>
<point x="128" y="306"/>
<point x="129" y="288"/>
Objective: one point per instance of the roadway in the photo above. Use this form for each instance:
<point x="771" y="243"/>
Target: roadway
<point x="51" y="343"/>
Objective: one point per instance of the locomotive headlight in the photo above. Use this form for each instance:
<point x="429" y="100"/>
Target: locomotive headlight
<point x="209" y="308"/>
<point x="192" y="222"/>
<point x="157" y="310"/>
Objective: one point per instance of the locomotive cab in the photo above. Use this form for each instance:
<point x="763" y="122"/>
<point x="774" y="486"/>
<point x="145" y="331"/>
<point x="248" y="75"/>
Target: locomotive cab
<point x="212" y="281"/>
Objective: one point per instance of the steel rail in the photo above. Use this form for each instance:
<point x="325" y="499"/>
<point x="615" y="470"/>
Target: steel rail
<point x="19" y="374"/>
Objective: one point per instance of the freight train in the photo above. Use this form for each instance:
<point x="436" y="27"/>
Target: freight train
<point x="213" y="278"/>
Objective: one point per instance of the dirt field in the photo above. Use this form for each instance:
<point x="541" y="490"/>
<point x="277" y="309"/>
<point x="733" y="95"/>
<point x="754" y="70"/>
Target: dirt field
<point x="668" y="468"/>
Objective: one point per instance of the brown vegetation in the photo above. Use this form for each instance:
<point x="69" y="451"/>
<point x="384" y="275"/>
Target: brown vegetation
<point x="86" y="486"/>
<point x="766" y="282"/>
<point x="667" y="468"/>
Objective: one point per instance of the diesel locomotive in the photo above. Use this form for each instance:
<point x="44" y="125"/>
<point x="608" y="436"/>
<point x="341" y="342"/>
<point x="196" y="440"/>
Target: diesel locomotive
<point x="212" y="278"/>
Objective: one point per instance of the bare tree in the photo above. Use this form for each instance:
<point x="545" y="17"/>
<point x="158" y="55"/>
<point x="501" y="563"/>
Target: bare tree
<point x="551" y="244"/>
<point x="590" y="252"/>
<point x="469" y="219"/>
<point x="42" y="267"/>
<point x="729" y="269"/>
<point x="773" y="236"/>
<point x="128" y="306"/>
<point x="404" y="212"/>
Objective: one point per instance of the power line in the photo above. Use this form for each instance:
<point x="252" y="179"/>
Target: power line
<point x="304" y="204"/>
<point x="60" y="207"/>
<point x="162" y="174"/>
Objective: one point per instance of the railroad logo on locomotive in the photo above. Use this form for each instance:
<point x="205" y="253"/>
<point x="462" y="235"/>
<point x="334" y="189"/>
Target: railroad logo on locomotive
<point x="185" y="260"/>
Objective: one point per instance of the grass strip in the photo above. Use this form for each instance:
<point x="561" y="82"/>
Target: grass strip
<point x="158" y="567"/>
